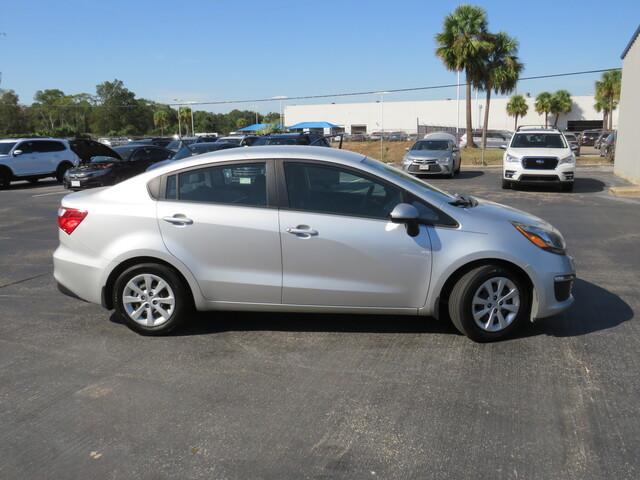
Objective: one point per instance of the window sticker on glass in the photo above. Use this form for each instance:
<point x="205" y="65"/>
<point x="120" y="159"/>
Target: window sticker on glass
<point x="245" y="180"/>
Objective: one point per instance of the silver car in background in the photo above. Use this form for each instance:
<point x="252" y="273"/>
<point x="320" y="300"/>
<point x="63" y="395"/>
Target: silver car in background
<point x="437" y="154"/>
<point x="306" y="229"/>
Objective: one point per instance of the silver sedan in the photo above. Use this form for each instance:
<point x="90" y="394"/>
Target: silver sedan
<point x="306" y="229"/>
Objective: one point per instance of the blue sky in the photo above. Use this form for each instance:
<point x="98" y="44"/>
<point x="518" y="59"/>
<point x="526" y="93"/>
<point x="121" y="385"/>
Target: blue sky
<point x="230" y="49"/>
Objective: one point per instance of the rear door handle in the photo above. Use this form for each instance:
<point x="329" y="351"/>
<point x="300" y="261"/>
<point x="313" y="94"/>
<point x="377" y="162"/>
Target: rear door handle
<point x="178" y="219"/>
<point x="302" y="231"/>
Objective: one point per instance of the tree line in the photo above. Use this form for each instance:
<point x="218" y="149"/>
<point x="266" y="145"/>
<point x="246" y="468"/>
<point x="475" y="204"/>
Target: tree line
<point x="113" y="110"/>
<point x="491" y="64"/>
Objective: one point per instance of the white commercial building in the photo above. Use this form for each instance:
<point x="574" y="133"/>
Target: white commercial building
<point x="627" y="159"/>
<point x="406" y="115"/>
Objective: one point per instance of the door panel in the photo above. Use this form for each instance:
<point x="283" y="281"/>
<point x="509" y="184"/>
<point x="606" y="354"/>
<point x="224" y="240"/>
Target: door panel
<point x="349" y="261"/>
<point x="233" y="252"/>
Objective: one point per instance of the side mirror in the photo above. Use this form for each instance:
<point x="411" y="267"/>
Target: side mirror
<point x="17" y="152"/>
<point x="406" y="149"/>
<point x="455" y="149"/>
<point x="574" y="148"/>
<point x="407" y="214"/>
<point x="503" y="146"/>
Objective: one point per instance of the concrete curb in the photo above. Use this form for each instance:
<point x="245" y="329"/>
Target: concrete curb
<point x="631" y="191"/>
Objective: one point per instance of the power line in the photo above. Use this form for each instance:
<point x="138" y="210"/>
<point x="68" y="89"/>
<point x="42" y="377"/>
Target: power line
<point x="347" y="94"/>
<point x="388" y="90"/>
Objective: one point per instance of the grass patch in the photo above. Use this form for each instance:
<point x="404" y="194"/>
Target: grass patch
<point x="392" y="152"/>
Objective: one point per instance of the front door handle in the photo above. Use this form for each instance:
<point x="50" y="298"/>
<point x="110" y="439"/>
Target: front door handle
<point x="302" y="231"/>
<point x="178" y="219"/>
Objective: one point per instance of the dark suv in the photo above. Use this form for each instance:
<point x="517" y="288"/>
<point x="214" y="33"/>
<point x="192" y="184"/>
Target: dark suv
<point x="589" y="137"/>
<point x="314" y="139"/>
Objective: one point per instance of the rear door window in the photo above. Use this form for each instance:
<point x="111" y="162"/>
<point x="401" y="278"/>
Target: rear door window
<point x="236" y="184"/>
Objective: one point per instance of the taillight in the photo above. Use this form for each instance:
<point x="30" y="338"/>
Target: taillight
<point x="70" y="218"/>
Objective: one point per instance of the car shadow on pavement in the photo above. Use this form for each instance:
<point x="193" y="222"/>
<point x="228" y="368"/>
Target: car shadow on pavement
<point x="468" y="174"/>
<point x="23" y="185"/>
<point x="594" y="309"/>
<point x="204" y="323"/>
<point x="580" y="185"/>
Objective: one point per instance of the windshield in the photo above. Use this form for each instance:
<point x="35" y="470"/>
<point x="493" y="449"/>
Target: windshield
<point x="5" y="147"/>
<point x="570" y="137"/>
<point x="125" y="152"/>
<point x="538" y="140"/>
<point x="431" y="145"/>
<point x="399" y="174"/>
<point x="175" y="144"/>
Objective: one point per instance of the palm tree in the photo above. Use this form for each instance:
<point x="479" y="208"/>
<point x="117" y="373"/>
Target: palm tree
<point x="560" y="103"/>
<point x="543" y="105"/>
<point x="499" y="71"/>
<point x="608" y="96"/>
<point x="517" y="107"/>
<point x="461" y="45"/>
<point x="185" y="118"/>
<point x="161" y="120"/>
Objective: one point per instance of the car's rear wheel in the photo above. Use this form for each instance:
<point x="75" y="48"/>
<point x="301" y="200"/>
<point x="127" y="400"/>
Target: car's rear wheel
<point x="62" y="169"/>
<point x="489" y="302"/>
<point x="151" y="298"/>
<point x="5" y="178"/>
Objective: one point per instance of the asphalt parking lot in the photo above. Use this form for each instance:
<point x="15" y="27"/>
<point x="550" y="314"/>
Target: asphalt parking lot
<point x="309" y="396"/>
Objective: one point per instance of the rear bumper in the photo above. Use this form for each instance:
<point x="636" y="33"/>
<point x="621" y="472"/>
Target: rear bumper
<point x="84" y="183"/>
<point x="77" y="275"/>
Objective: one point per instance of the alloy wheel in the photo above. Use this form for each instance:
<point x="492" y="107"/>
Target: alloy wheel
<point x="495" y="304"/>
<point x="148" y="300"/>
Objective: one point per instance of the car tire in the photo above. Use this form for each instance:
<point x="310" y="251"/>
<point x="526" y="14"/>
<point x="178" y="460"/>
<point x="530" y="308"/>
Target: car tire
<point x="62" y="169"/>
<point x="151" y="299"/>
<point x="506" y="184"/>
<point x="5" y="179"/>
<point x="567" y="187"/>
<point x="472" y="303"/>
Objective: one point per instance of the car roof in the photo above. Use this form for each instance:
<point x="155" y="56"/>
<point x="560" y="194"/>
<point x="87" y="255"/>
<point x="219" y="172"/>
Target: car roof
<point x="538" y="130"/>
<point x="268" y="152"/>
<point x="22" y="139"/>
<point x="439" y="136"/>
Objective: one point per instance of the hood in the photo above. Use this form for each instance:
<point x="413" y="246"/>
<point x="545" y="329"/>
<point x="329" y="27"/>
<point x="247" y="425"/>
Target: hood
<point x="428" y="154"/>
<point x="539" y="152"/>
<point x="85" y="149"/>
<point x="487" y="212"/>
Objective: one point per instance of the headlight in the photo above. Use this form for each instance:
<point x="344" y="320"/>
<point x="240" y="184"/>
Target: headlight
<point x="547" y="239"/>
<point x="568" y="159"/>
<point x="406" y="159"/>
<point x="444" y="160"/>
<point x="511" y="159"/>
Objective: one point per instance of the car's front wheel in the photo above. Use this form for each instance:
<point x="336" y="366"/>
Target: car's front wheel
<point x="489" y="302"/>
<point x="151" y="298"/>
<point x="506" y="184"/>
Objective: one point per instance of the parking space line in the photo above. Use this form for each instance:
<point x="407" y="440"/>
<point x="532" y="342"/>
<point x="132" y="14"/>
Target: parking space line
<point x="51" y="193"/>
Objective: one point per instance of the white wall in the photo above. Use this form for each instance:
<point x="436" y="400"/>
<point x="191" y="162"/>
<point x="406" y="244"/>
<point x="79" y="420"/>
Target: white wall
<point x="627" y="161"/>
<point x="403" y="115"/>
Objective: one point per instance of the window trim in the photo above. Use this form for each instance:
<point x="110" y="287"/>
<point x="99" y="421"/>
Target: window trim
<point x="283" y="196"/>
<point x="269" y="173"/>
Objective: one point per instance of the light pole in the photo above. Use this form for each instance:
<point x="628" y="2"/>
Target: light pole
<point x="382" y="94"/>
<point x="458" y="109"/>
<point x="281" y="98"/>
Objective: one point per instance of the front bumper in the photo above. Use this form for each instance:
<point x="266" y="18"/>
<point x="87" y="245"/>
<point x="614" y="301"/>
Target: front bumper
<point x="80" y="183"/>
<point x="431" y="168"/>
<point x="553" y="285"/>
<point x="515" y="172"/>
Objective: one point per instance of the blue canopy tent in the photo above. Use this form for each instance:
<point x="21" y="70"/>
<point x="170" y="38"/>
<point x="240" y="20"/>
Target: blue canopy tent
<point x="256" y="127"/>
<point x="312" y="125"/>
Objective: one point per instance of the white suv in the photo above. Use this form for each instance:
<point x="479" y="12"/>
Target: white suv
<point x="34" y="158"/>
<point x="537" y="155"/>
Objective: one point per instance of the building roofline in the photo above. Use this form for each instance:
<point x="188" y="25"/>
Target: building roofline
<point x="631" y="42"/>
